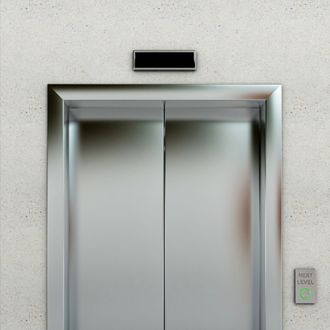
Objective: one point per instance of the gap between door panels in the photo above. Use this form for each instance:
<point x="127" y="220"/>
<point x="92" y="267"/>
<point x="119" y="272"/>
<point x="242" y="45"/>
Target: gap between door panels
<point x="164" y="209"/>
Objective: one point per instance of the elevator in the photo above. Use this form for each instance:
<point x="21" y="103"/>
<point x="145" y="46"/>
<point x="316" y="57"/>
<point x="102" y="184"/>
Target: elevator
<point x="164" y="207"/>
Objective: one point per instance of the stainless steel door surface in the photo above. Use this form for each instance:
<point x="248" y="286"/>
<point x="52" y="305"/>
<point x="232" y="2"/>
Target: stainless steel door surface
<point x="116" y="217"/>
<point x="211" y="217"/>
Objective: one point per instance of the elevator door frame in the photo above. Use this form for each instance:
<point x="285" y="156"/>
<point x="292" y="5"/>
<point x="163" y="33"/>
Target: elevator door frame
<point x="63" y="99"/>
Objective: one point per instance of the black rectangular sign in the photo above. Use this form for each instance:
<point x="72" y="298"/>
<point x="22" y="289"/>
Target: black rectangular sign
<point x="164" y="60"/>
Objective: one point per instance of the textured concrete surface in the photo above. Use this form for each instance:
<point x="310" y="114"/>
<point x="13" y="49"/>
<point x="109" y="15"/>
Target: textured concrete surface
<point x="57" y="41"/>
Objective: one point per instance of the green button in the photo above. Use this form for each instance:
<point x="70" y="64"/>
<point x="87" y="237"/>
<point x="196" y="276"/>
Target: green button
<point x="305" y="293"/>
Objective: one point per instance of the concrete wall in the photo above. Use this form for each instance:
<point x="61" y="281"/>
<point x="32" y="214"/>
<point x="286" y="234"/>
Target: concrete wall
<point x="58" y="41"/>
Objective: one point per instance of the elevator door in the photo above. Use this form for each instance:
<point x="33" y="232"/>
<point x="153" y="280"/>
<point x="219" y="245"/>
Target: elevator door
<point x="116" y="217"/>
<point x="164" y="222"/>
<point x="163" y="207"/>
<point x="211" y="217"/>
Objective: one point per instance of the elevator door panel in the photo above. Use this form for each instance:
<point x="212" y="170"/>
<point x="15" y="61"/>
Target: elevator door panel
<point x="116" y="218"/>
<point x="211" y="217"/>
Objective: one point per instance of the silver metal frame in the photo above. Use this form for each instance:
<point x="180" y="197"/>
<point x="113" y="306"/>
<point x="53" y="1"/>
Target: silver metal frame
<point x="63" y="98"/>
<point x="165" y="69"/>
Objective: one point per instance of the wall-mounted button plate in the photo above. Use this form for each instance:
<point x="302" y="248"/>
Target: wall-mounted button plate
<point x="305" y="285"/>
<point x="164" y="60"/>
